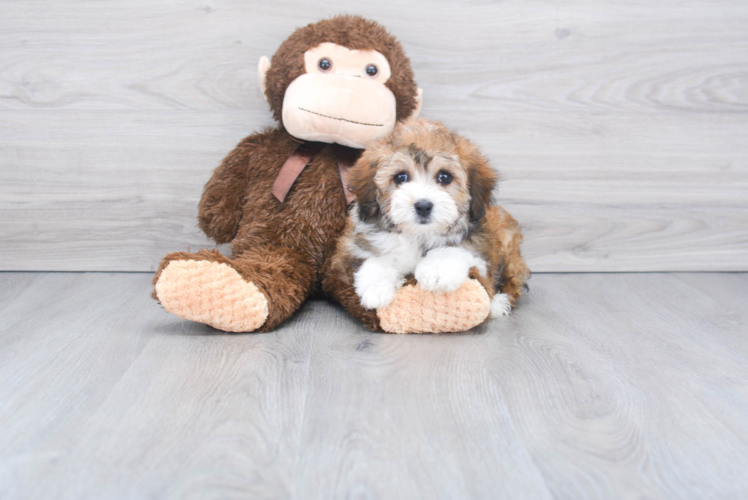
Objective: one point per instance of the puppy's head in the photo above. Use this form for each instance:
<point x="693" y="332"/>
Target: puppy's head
<point x="422" y="179"/>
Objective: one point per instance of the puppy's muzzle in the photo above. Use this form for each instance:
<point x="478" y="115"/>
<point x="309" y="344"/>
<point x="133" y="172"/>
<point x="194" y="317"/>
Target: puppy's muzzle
<point x="423" y="209"/>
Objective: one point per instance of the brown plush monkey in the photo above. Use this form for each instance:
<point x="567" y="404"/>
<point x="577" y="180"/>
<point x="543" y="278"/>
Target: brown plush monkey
<point x="279" y="196"/>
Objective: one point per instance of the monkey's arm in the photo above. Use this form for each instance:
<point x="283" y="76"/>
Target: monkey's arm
<point x="226" y="192"/>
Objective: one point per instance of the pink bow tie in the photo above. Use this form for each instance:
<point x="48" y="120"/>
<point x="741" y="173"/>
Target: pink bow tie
<point x="295" y="163"/>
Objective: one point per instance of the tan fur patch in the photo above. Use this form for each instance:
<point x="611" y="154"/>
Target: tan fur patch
<point x="499" y="242"/>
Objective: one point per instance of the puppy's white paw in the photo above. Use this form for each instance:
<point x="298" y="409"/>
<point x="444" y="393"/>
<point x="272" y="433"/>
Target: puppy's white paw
<point x="376" y="295"/>
<point x="376" y="285"/>
<point x="500" y="305"/>
<point x="445" y="269"/>
<point x="434" y="276"/>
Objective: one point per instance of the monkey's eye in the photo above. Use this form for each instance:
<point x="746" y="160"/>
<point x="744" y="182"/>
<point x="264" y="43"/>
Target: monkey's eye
<point x="372" y="70"/>
<point x="401" y="178"/>
<point x="444" y="178"/>
<point x="324" y="64"/>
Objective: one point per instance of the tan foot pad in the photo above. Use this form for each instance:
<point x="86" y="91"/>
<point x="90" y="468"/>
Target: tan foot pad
<point x="416" y="311"/>
<point x="211" y="293"/>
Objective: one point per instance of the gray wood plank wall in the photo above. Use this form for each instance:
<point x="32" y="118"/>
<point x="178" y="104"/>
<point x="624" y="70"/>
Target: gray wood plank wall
<point x="620" y="128"/>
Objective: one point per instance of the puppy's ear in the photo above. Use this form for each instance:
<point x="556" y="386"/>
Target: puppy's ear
<point x="368" y="207"/>
<point x="363" y="186"/>
<point x="481" y="182"/>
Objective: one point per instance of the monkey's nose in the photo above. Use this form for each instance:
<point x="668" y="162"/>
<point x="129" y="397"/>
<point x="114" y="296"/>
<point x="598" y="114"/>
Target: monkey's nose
<point x="423" y="208"/>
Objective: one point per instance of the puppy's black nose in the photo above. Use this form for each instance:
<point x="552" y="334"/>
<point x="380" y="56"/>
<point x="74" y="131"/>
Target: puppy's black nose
<point x="423" y="208"/>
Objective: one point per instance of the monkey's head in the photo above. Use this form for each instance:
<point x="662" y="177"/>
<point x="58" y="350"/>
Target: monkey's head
<point x="343" y="80"/>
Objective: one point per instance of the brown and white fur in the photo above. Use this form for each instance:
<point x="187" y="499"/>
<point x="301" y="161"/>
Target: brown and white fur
<point x="424" y="208"/>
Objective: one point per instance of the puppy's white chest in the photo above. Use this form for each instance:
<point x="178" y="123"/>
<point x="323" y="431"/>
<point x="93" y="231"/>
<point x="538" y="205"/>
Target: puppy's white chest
<point x="402" y="251"/>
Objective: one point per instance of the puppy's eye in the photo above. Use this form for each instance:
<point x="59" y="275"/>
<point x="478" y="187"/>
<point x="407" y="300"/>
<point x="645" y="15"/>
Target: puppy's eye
<point x="324" y="64"/>
<point x="372" y="70"/>
<point x="400" y="178"/>
<point x="444" y="178"/>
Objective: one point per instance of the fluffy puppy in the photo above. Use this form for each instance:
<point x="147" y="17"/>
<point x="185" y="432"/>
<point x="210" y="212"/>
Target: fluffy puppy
<point x="424" y="208"/>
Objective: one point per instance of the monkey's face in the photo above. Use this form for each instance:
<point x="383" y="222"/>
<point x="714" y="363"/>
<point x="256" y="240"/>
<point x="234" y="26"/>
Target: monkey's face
<point x="341" y="98"/>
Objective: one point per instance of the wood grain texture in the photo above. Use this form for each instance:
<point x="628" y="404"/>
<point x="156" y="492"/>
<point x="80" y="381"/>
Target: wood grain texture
<point x="637" y="390"/>
<point x="618" y="127"/>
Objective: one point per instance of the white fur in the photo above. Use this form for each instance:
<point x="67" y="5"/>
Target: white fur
<point x="500" y="305"/>
<point x="442" y="269"/>
<point x="402" y="214"/>
<point x="376" y="283"/>
<point x="445" y="269"/>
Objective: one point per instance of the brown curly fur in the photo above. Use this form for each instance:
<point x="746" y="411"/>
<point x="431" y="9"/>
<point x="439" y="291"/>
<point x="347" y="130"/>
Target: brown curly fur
<point x="282" y="247"/>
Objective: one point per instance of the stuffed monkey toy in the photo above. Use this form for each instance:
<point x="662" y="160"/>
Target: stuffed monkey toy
<point x="280" y="196"/>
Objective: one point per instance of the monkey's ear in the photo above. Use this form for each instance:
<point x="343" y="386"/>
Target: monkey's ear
<point x="419" y="103"/>
<point x="481" y="182"/>
<point x="262" y="69"/>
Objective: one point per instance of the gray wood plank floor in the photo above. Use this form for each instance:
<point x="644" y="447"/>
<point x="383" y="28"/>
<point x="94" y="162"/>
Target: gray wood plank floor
<point x="599" y="386"/>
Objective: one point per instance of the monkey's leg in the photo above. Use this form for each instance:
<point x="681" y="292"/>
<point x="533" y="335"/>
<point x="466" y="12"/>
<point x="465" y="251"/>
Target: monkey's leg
<point x="417" y="311"/>
<point x="413" y="310"/>
<point x="254" y="291"/>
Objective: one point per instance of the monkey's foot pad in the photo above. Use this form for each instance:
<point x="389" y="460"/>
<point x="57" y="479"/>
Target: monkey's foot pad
<point x="211" y="293"/>
<point x="416" y="311"/>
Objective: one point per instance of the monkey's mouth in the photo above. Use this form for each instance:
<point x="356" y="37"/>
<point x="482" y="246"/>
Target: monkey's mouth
<point x="343" y="119"/>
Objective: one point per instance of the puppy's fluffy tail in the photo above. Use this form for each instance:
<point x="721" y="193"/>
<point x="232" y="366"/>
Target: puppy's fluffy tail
<point x="500" y="305"/>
